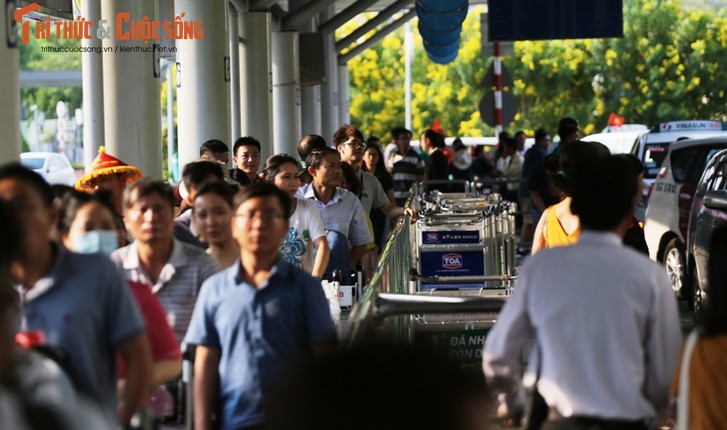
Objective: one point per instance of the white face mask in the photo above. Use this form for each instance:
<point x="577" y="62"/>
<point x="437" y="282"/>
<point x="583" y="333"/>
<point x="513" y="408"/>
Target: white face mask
<point x="103" y="241"/>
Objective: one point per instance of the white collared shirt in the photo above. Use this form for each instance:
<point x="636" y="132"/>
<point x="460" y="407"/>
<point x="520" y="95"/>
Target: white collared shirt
<point x="343" y="213"/>
<point x="179" y="281"/>
<point x="606" y="322"/>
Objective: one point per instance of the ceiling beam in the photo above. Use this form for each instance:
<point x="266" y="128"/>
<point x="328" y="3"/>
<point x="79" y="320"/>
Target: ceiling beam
<point x="345" y="15"/>
<point x="305" y="13"/>
<point x="344" y="58"/>
<point x="374" y="22"/>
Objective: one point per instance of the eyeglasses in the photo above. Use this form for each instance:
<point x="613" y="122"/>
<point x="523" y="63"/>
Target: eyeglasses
<point x="356" y="144"/>
<point x="265" y="217"/>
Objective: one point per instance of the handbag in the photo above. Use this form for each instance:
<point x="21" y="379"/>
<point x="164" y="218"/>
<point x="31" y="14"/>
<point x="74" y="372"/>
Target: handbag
<point x="683" y="399"/>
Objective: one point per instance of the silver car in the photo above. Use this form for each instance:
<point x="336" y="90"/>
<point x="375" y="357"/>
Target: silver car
<point x="52" y="166"/>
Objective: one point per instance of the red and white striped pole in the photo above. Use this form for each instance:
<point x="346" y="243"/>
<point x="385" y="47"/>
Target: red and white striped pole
<point x="498" y="89"/>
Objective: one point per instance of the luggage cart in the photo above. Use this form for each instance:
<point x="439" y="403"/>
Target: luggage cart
<point x="463" y="245"/>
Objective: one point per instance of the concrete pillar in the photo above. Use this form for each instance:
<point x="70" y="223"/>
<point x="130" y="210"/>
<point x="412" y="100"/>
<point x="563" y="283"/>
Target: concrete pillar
<point x="344" y="116"/>
<point x="233" y="30"/>
<point x="256" y="95"/>
<point x="311" y="109"/>
<point x="9" y="86"/>
<point x="329" y="91"/>
<point x="92" y="69"/>
<point x="286" y="92"/>
<point x="132" y="112"/>
<point x="203" y="88"/>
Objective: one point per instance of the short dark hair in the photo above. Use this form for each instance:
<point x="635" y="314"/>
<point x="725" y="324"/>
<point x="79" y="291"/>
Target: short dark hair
<point x="308" y="143"/>
<point x="18" y="172"/>
<point x="221" y="188"/>
<point x="75" y="200"/>
<point x="303" y="402"/>
<point x="519" y="133"/>
<point x="541" y="133"/>
<point x="578" y="159"/>
<point x="435" y="138"/>
<point x="273" y="164"/>
<point x="214" y="146"/>
<point x="197" y="172"/>
<point x="372" y="139"/>
<point x="634" y="163"/>
<point x="567" y="126"/>
<point x="316" y="156"/>
<point x="263" y="189"/>
<point x="346" y="132"/>
<point x="604" y="195"/>
<point x="148" y="186"/>
<point x="398" y="131"/>
<point x="246" y="141"/>
<point x="510" y="143"/>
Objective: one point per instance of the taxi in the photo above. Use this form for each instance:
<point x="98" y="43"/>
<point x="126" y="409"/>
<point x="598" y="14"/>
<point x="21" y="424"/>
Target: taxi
<point x="651" y="148"/>
<point x="672" y="192"/>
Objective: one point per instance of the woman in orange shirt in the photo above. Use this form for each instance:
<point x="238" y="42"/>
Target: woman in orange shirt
<point x="558" y="226"/>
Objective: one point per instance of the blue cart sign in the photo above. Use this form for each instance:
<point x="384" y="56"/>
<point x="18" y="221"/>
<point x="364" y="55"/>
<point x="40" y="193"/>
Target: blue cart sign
<point x="452" y="263"/>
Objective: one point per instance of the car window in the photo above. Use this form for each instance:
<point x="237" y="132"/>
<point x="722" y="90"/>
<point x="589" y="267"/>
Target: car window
<point x="687" y="164"/>
<point x="682" y="161"/>
<point x="654" y="155"/>
<point x="32" y="163"/>
<point x="719" y="178"/>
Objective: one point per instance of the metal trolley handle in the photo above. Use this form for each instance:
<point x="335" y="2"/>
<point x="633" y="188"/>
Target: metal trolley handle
<point x="416" y="276"/>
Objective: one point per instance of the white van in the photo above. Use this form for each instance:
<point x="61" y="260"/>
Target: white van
<point x="617" y="141"/>
<point x="670" y="202"/>
<point x="651" y="148"/>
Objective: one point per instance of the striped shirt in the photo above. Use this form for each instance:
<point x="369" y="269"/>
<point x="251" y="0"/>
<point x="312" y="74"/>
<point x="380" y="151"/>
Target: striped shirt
<point x="406" y="172"/>
<point x="179" y="281"/>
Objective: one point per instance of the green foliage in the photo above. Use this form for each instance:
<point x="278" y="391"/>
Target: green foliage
<point x="33" y="58"/>
<point x="669" y="65"/>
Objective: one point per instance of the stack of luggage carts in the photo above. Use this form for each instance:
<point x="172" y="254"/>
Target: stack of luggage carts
<point x="463" y="244"/>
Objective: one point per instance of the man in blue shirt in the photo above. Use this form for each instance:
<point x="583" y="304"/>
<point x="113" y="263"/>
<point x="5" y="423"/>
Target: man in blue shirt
<point x="255" y="318"/>
<point x="79" y="302"/>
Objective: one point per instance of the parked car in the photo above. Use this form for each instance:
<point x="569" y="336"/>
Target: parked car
<point x="52" y="166"/>
<point x="651" y="148"/>
<point x="617" y="141"/>
<point x="709" y="209"/>
<point x="667" y="214"/>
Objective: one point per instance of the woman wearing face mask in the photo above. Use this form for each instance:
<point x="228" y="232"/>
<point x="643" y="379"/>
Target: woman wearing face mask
<point x="87" y="224"/>
<point x="212" y="212"/>
<point x="306" y="227"/>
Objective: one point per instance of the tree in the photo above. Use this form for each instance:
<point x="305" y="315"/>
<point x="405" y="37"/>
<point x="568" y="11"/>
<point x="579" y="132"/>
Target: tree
<point x="669" y="65"/>
<point x="33" y="58"/>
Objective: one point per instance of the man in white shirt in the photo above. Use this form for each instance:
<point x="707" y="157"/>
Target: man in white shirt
<point x="341" y="211"/>
<point x="603" y="317"/>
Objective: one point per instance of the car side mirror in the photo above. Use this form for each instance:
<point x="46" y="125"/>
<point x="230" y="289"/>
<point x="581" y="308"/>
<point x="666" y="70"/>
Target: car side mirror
<point x="716" y="199"/>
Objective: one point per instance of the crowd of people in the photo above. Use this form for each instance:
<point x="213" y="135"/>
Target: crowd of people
<point x="112" y="277"/>
<point x="103" y="284"/>
<point x="598" y="317"/>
